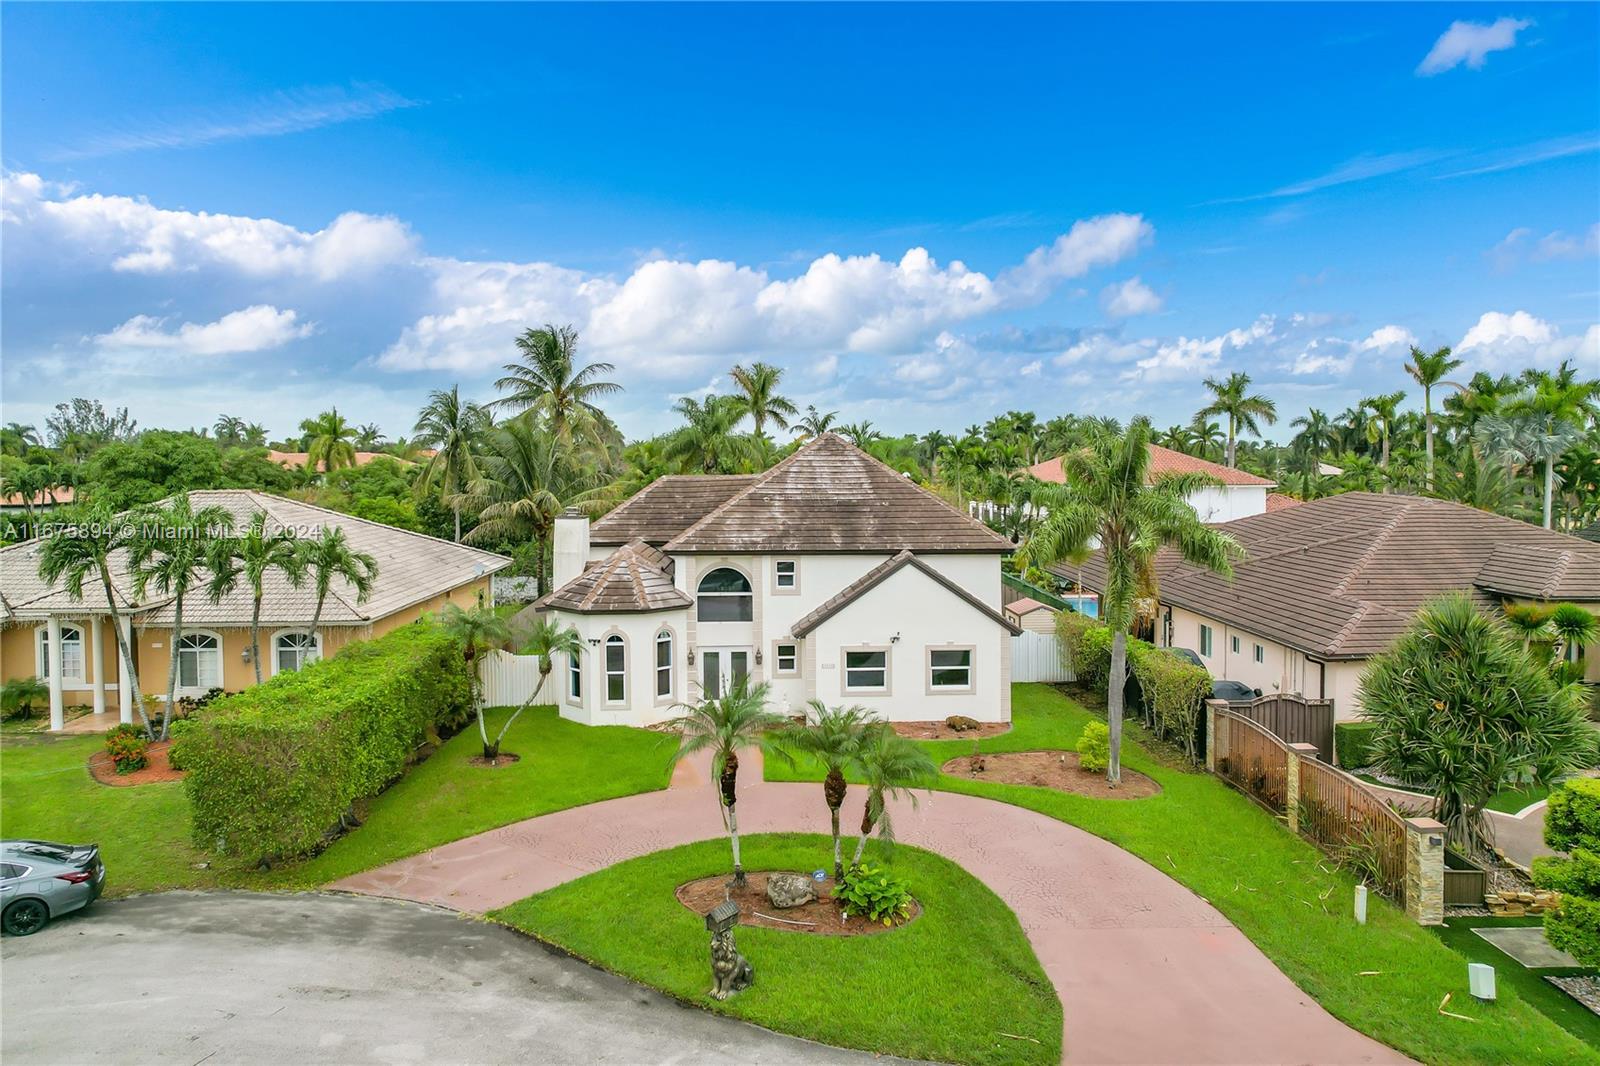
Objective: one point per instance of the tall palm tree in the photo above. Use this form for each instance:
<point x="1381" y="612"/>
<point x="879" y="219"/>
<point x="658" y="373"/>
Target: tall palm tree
<point x="169" y="553"/>
<point x="709" y="440"/>
<point x="1428" y="369"/>
<point x="73" y="560"/>
<point x="814" y="423"/>
<point x="860" y="433"/>
<point x="18" y="438"/>
<point x="890" y="767"/>
<point x="833" y="736"/>
<point x="758" y="387"/>
<point x="726" y="726"/>
<point x="1205" y="437"/>
<point x="229" y="429"/>
<point x="254" y="435"/>
<point x="328" y="441"/>
<point x="546" y="638"/>
<point x="1106" y="499"/>
<point x="258" y="550"/>
<point x="1385" y="409"/>
<point x="451" y="427"/>
<point x="477" y="630"/>
<point x="1559" y="405"/>
<point x="369" y="436"/>
<point x="546" y="379"/>
<point x="327" y="556"/>
<point x="1316" y="433"/>
<point x="1231" y="399"/>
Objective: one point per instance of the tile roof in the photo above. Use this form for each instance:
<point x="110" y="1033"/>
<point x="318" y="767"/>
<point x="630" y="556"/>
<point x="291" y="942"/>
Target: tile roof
<point x="666" y="507"/>
<point x="42" y="498"/>
<point x="412" y="568"/>
<point x="1341" y="577"/>
<point x="830" y="496"/>
<point x="299" y="459"/>
<point x="1164" y="461"/>
<point x="1278" y="501"/>
<point x="633" y="578"/>
<point x="1026" y="605"/>
<point x="877" y="576"/>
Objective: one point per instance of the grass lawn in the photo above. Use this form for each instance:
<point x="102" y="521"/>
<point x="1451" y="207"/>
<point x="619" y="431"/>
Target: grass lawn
<point x="46" y="792"/>
<point x="1506" y="801"/>
<point x="1530" y="984"/>
<point x="943" y="987"/>
<point x="1280" y="891"/>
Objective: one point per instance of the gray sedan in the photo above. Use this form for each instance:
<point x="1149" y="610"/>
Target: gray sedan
<point x="40" y="881"/>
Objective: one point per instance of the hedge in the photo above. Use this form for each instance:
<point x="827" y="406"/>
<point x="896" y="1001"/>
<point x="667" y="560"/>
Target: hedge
<point x="273" y="771"/>
<point x="1174" y="691"/>
<point x="1088" y="647"/>
<point x="1572" y="824"/>
<point x="1353" y="744"/>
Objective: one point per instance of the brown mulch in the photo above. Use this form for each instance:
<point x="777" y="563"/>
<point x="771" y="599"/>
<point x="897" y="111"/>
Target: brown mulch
<point x="823" y="914"/>
<point x="506" y="758"/>
<point x="1051" y="769"/>
<point x="156" y="768"/>
<point x="940" y="731"/>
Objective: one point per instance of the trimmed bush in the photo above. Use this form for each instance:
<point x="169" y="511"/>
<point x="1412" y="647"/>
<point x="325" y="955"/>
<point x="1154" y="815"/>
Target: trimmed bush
<point x="1572" y="824"/>
<point x="1089" y="661"/>
<point x="129" y="747"/>
<point x="1094" y="747"/>
<point x="273" y="772"/>
<point x="1174" y="691"/>
<point x="1353" y="744"/>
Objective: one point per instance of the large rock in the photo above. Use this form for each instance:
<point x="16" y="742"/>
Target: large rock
<point x="961" y="723"/>
<point x="790" y="890"/>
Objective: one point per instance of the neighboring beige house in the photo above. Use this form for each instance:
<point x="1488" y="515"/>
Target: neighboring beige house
<point x="1329" y="583"/>
<point x="1032" y="615"/>
<point x="45" y="633"/>
<point x="830" y="576"/>
<point x="1240" y="494"/>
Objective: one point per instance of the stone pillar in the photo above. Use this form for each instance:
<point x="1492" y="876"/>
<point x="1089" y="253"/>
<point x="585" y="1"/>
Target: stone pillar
<point x="58" y="707"/>
<point x="1291" y="781"/>
<point x="1213" y="732"/>
<point x="97" y="651"/>
<point x="1425" y="871"/>
<point x="124" y="679"/>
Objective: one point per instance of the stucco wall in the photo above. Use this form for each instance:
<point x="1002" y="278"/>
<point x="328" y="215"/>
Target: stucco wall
<point x="19" y="658"/>
<point x="1228" y="502"/>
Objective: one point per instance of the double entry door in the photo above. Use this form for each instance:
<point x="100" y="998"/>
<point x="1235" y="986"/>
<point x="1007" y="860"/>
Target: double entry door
<point x="722" y="668"/>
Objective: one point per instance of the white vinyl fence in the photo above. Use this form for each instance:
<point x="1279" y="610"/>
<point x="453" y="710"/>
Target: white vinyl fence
<point x="508" y="679"/>
<point x="1039" y="657"/>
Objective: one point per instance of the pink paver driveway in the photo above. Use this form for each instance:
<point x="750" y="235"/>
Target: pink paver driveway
<point x="1147" y="971"/>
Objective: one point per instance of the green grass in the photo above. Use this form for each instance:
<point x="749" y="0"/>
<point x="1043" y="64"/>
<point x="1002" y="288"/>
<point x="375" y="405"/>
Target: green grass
<point x="1561" y="1008"/>
<point x="1279" y="890"/>
<point x="943" y="987"/>
<point x="46" y="792"/>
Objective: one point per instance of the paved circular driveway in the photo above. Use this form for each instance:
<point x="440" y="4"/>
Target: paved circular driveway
<point x="237" y="977"/>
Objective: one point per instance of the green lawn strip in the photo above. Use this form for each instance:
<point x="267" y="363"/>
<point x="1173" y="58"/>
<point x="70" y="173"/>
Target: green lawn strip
<point x="943" y="987"/>
<point x="1531" y="985"/>
<point x="1280" y="891"/>
<point x="1506" y="801"/>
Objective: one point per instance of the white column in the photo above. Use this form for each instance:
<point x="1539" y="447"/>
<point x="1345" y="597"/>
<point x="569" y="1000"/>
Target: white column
<point x="124" y="681"/>
<point x="58" y="710"/>
<point x="97" y="649"/>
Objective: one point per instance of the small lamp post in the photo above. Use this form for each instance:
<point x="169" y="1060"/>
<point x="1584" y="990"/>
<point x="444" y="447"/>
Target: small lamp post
<point x="730" y="971"/>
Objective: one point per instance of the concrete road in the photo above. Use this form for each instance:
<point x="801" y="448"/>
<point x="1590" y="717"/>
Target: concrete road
<point x="235" y="977"/>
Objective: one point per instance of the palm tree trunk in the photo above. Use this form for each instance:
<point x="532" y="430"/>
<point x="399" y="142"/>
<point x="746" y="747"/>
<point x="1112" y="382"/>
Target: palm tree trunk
<point x="866" y="831"/>
<point x="255" y="634"/>
<point x="733" y="835"/>
<point x="1427" y="421"/>
<point x="1119" y="678"/>
<point x="172" y="666"/>
<point x="544" y="672"/>
<point x="1231" y="430"/>
<point x="728" y="783"/>
<point x="1549" y="486"/>
<point x="838" y="861"/>
<point x="132" y="674"/>
<point x="457" y="509"/>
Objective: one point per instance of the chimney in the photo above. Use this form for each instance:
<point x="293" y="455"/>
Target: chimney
<point x="571" y="545"/>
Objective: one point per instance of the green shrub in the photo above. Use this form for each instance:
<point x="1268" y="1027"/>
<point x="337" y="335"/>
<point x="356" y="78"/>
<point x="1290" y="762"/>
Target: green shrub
<point x="129" y="748"/>
<point x="273" y="771"/>
<point x="1175" y="692"/>
<point x="874" y="892"/>
<point x="1352" y="744"/>
<point x="1094" y="747"/>
<point x="1572" y="824"/>
<point x="179" y="728"/>
<point x="1087" y="644"/>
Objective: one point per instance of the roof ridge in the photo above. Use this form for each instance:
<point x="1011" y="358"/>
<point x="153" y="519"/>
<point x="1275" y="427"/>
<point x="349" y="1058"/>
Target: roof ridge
<point x="762" y="478"/>
<point x="356" y="518"/>
<point x="1559" y="571"/>
<point x="1378" y="541"/>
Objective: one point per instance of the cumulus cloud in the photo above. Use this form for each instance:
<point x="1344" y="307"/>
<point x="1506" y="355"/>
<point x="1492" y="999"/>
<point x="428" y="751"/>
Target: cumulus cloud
<point x="1519" y="244"/>
<point x="1338" y="356"/>
<point x="254" y="329"/>
<point x="1471" y="43"/>
<point x="1129" y="298"/>
<point x="1188" y="358"/>
<point x="1500" y="341"/>
<point x="1090" y="243"/>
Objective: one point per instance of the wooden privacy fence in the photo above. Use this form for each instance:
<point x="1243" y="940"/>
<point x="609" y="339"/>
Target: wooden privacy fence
<point x="1293" y="719"/>
<point x="508" y="679"/>
<point x="1250" y="758"/>
<point x="1353" y="824"/>
<point x="1039" y="657"/>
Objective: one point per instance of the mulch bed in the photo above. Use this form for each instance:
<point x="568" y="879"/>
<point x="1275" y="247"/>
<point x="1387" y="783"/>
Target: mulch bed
<point x="156" y="768"/>
<point x="1051" y="769"/>
<point x="940" y="731"/>
<point x="506" y="758"/>
<point x="703" y="895"/>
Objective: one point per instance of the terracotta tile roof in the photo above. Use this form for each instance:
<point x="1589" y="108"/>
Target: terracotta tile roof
<point x="1026" y="605"/>
<point x="666" y="507"/>
<point x="1277" y="501"/>
<point x="1341" y="577"/>
<point x="1164" y="461"/>
<point x="631" y="579"/>
<point x="881" y="573"/>
<point x="64" y="494"/>
<point x="298" y="459"/>
<point x="830" y="496"/>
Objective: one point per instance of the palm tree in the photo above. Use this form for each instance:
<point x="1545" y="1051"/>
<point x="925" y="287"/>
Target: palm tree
<point x="229" y="429"/>
<point x="1316" y="433"/>
<point x="1106" y="499"/>
<point x="1231" y="398"/>
<point x="860" y="433"/>
<point x="1528" y="621"/>
<point x="546" y="639"/>
<point x="725" y="726"/>
<point x="369" y="436"/>
<point x="20" y="695"/>
<point x="833" y="736"/>
<point x="708" y="441"/>
<point x="451" y="427"/>
<point x="17" y="437"/>
<point x="328" y="555"/>
<point x="814" y="423"/>
<point x="546" y="379"/>
<point x="1385" y="410"/>
<point x="1574" y="627"/>
<point x="890" y="767"/>
<point x="72" y="560"/>
<point x="1558" y="404"/>
<point x="256" y="552"/>
<point x="254" y="434"/>
<point x="758" y="385"/>
<point x="1428" y="369"/>
<point x="169" y="553"/>
<point x="477" y="630"/>
<point x="328" y="438"/>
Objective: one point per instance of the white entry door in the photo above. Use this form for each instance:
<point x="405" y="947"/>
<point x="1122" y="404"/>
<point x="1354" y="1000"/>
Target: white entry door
<point x="721" y="668"/>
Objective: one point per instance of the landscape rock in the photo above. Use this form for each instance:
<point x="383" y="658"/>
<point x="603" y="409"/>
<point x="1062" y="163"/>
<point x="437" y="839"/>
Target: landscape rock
<point x="790" y="890"/>
<point x="961" y="723"/>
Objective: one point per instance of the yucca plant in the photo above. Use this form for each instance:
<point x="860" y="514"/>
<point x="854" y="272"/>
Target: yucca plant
<point x="891" y="766"/>
<point x="1574" y="627"/>
<point x="833" y="736"/>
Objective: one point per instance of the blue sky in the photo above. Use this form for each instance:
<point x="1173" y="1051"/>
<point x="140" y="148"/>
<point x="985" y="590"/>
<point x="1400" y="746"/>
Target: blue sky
<point x="926" y="214"/>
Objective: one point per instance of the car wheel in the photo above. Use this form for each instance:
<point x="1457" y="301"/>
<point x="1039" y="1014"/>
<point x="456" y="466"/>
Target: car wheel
<point x="25" y="916"/>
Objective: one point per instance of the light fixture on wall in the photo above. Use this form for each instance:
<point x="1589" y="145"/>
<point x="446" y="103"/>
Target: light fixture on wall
<point x="691" y="656"/>
<point x="245" y="655"/>
<point x="895" y="639"/>
<point x="758" y="656"/>
<point x="594" y="642"/>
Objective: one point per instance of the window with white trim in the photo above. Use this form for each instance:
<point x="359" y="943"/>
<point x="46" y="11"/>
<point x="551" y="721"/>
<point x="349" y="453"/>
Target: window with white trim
<point x="950" y="668"/>
<point x="575" y="676"/>
<point x="291" y="651"/>
<point x="787" y="578"/>
<point x="1261" y="654"/>
<point x="71" y="653"/>
<point x="199" y="661"/>
<point x="725" y="596"/>
<point x="1205" y="641"/>
<point x="788" y="658"/>
<point x="1235" y="645"/>
<point x="664" y="663"/>
<point x="616" y="670"/>
<point x="866" y="670"/>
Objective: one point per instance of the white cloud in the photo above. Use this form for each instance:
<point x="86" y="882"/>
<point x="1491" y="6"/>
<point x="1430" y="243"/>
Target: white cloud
<point x="1385" y="337"/>
<point x="1471" y="43"/>
<point x="1129" y="298"/>
<point x="254" y="329"/>
<point x="1557" y="244"/>
<point x="1090" y="243"/>
<point x="1500" y="341"/>
<point x="1338" y="356"/>
<point x="1187" y="358"/>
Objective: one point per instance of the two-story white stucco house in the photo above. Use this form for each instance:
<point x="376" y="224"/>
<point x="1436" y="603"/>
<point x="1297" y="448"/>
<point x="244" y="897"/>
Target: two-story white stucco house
<point x="830" y="576"/>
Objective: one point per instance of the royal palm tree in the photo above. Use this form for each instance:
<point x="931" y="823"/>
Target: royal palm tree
<point x="1106" y="499"/>
<point x="169" y="553"/>
<point x="725" y="726"/>
<point x="1385" y="409"/>
<point x="477" y="630"/>
<point x="1559" y="405"/>
<point x="327" y="556"/>
<point x="328" y="441"/>
<point x="254" y="435"/>
<point x="833" y="736"/>
<point x="814" y="423"/>
<point x="1316" y="434"/>
<point x="1232" y="400"/>
<point x="709" y="440"/>
<point x="258" y="550"/>
<point x="369" y="437"/>
<point x="758" y="392"/>
<point x="890" y="766"/>
<point x="452" y="428"/>
<point x="1428" y="369"/>
<point x="546" y="379"/>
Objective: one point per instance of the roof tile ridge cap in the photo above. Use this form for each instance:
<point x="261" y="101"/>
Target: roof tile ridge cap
<point x="760" y="480"/>
<point x="934" y="496"/>
<point x="1381" y="539"/>
<point x="1363" y="608"/>
<point x="1558" y="572"/>
<point x="370" y="522"/>
<point x="602" y="574"/>
<point x="636" y="575"/>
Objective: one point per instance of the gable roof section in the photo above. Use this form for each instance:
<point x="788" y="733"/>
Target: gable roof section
<point x="631" y="579"/>
<point x="1342" y="577"/>
<point x="1164" y="461"/>
<point x="1027" y="605"/>
<point x="830" y="496"/>
<point x="666" y="507"/>
<point x="877" y="576"/>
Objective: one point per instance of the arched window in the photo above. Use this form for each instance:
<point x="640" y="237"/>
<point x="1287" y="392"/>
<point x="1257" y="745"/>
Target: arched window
<point x="616" y="670"/>
<point x="664" y="663"/>
<point x="292" y="650"/>
<point x="725" y="597"/>
<point x="71" y="653"/>
<point x="199" y="661"/>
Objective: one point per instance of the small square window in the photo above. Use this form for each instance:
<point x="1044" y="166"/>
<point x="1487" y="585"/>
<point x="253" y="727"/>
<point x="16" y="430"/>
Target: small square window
<point x="786" y="573"/>
<point x="788" y="658"/>
<point x="866" y="669"/>
<point x="1235" y="645"/>
<point x="1261" y="654"/>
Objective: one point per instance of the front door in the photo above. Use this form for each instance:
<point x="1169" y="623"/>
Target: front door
<point x="721" y="668"/>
